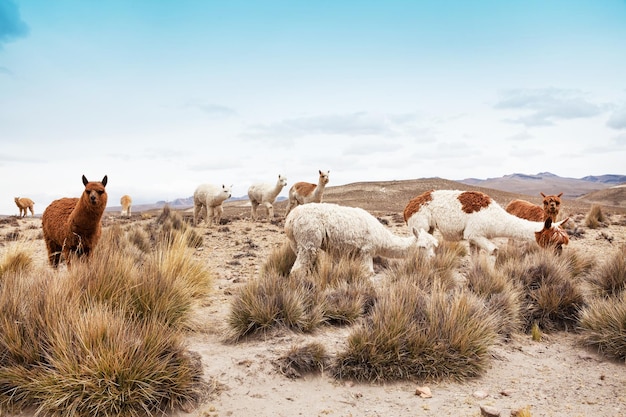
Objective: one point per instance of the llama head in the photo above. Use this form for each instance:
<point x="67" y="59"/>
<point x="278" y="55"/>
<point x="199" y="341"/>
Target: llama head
<point x="426" y="241"/>
<point x="324" y="177"/>
<point x="95" y="193"/>
<point x="552" y="235"/>
<point x="282" y="180"/>
<point x="226" y="191"/>
<point x="551" y="203"/>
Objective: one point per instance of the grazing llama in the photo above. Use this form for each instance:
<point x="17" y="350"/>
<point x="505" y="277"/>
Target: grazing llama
<point x="25" y="204"/>
<point x="529" y="211"/>
<point x="331" y="228"/>
<point x="71" y="226"/>
<point x="126" y="203"/>
<point x="265" y="194"/>
<point x="207" y="203"/>
<point x="307" y="192"/>
<point x="475" y="217"/>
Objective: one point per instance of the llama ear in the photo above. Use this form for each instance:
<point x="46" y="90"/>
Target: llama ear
<point x="560" y="194"/>
<point x="562" y="222"/>
<point x="543" y="195"/>
<point x="548" y="223"/>
<point x="85" y="181"/>
<point x="104" y="181"/>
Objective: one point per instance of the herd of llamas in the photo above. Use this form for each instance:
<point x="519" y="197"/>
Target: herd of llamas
<point x="72" y="226"/>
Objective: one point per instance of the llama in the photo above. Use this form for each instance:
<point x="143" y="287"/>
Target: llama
<point x="331" y="227"/>
<point x="529" y="211"/>
<point x="126" y="201"/>
<point x="25" y="204"/>
<point x="207" y="203"/>
<point x="265" y="194"/>
<point x="71" y="226"/>
<point x="307" y="192"/>
<point x="475" y="217"/>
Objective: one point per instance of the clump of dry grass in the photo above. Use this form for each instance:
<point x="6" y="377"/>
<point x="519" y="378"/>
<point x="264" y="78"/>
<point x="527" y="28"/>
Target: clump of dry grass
<point x="279" y="261"/>
<point x="336" y="292"/>
<point x="595" y="217"/>
<point x="412" y="334"/>
<point x="169" y="224"/>
<point x="273" y="301"/>
<point x="104" y="338"/>
<point x="501" y="296"/>
<point x="551" y="294"/>
<point x="609" y="279"/>
<point x="17" y="258"/>
<point x="300" y="360"/>
<point x="424" y="272"/>
<point x="603" y="324"/>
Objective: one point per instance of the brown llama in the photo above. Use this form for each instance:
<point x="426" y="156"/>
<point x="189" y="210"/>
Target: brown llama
<point x="307" y="192"/>
<point x="25" y="204"/>
<point x="71" y="226"/>
<point x="529" y="211"/>
<point x="126" y="201"/>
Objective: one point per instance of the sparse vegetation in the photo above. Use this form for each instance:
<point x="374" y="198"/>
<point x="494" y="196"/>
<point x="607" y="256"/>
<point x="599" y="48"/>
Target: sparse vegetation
<point x="415" y="335"/>
<point x="104" y="338"/>
<point x="300" y="360"/>
<point x="610" y="277"/>
<point x="595" y="217"/>
<point x="551" y="293"/>
<point x="603" y="323"/>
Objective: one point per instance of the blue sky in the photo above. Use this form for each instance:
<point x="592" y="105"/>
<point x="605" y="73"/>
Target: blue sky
<point x="164" y="95"/>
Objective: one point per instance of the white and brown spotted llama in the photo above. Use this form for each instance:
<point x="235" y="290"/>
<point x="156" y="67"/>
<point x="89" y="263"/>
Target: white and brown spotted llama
<point x="529" y="211"/>
<point x="476" y="217"/>
<point x="306" y="192"/>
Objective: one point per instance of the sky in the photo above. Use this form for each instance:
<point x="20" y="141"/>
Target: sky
<point x="162" y="96"/>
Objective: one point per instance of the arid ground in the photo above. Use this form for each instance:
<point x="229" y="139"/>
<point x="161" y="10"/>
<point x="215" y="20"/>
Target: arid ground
<point x="555" y="376"/>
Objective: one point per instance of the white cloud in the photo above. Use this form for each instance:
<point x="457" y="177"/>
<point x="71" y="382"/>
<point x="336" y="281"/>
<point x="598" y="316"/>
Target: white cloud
<point x="546" y="106"/>
<point x="618" y="118"/>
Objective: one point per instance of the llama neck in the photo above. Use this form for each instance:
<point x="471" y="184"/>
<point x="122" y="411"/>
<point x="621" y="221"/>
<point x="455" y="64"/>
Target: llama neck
<point x="86" y="214"/>
<point x="276" y="190"/>
<point x="319" y="189"/>
<point x="395" y="246"/>
<point x="502" y="224"/>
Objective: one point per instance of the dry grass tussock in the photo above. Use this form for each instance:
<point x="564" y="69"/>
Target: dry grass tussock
<point x="603" y="319"/>
<point x="595" y="218"/>
<point x="106" y="337"/>
<point x="423" y="322"/>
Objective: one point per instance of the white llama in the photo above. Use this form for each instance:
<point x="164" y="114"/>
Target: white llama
<point x="265" y="194"/>
<point x="207" y="203"/>
<point x="331" y="227"/>
<point x="307" y="192"/>
<point x="475" y="217"/>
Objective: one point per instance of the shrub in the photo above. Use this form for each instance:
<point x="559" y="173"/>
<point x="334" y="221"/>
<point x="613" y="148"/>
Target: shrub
<point x="610" y="278"/>
<point x="603" y="324"/>
<point x="306" y="359"/>
<point x="104" y="338"/>
<point x="551" y="296"/>
<point x="501" y="296"/>
<point x="412" y="334"/>
<point x="595" y="218"/>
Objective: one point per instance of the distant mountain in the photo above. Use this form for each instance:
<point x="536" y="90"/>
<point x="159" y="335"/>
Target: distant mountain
<point x="600" y="189"/>
<point x="547" y="183"/>
<point x="606" y="179"/>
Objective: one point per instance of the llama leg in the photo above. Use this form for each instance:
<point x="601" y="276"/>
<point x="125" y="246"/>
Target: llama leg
<point x="253" y="205"/>
<point x="209" y="216"/>
<point x="270" y="210"/>
<point x="196" y="214"/>
<point x="219" y="210"/>
<point x="305" y="260"/>
<point x="481" y="242"/>
<point x="54" y="254"/>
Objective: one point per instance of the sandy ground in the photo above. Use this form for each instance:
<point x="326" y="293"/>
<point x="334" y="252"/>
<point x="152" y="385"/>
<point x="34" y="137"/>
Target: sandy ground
<point x="552" y="377"/>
